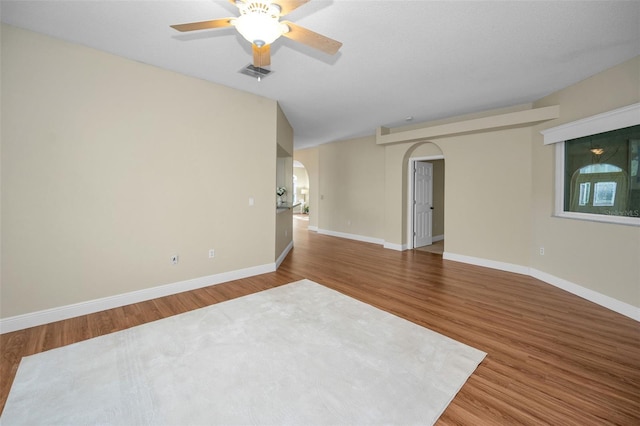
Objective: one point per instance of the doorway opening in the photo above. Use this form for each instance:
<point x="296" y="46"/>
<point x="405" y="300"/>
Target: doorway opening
<point x="426" y="203"/>
<point x="300" y="189"/>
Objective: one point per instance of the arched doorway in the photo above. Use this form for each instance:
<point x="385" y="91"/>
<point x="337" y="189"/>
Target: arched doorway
<point x="425" y="209"/>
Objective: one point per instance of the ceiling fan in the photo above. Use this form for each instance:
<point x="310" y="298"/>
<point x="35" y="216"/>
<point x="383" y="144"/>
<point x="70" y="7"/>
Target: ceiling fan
<point x="259" y="23"/>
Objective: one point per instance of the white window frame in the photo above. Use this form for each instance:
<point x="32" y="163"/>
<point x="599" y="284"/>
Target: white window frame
<point x="605" y="122"/>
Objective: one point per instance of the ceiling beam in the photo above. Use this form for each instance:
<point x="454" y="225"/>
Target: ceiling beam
<point x="386" y="136"/>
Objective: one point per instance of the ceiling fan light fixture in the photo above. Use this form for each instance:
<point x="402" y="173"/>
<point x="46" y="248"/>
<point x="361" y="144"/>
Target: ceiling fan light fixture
<point x="259" y="22"/>
<point x="258" y="28"/>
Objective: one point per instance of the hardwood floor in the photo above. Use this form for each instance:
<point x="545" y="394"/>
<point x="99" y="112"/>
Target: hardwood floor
<point x="553" y="358"/>
<point x="437" y="247"/>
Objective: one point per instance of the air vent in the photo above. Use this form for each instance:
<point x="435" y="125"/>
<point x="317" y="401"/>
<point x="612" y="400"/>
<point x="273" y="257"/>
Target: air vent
<point x="255" y="72"/>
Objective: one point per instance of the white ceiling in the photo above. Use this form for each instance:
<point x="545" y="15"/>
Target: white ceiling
<point x="425" y="59"/>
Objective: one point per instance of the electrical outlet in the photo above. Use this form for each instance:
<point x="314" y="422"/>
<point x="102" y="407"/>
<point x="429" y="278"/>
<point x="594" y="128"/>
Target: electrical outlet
<point x="541" y="251"/>
<point x="212" y="253"/>
<point x="174" y="259"/>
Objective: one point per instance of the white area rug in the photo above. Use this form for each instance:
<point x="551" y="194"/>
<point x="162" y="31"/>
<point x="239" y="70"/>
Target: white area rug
<point x="297" y="354"/>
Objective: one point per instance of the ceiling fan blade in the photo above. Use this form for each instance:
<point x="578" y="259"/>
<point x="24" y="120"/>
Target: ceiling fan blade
<point x="288" y="6"/>
<point x="261" y="56"/>
<point x="204" y="25"/>
<point x="312" y="39"/>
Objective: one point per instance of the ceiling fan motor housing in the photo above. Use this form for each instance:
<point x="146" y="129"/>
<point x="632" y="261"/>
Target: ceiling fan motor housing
<point x="261" y="7"/>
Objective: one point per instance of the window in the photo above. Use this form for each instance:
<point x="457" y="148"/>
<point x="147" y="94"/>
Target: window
<point x="597" y="173"/>
<point x="599" y="177"/>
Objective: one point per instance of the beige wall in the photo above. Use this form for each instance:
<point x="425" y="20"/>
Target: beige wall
<point x="599" y="256"/>
<point x="110" y="166"/>
<point x="352" y="187"/>
<point x="486" y="214"/>
<point x="284" y="164"/>
<point x="499" y="193"/>
<point x="438" y="198"/>
<point x="284" y="230"/>
<point x="284" y="133"/>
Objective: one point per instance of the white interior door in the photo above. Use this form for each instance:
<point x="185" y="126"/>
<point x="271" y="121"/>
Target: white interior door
<point x="422" y="204"/>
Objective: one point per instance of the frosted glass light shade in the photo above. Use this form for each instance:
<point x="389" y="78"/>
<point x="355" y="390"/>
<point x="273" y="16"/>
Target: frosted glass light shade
<point x="259" y="29"/>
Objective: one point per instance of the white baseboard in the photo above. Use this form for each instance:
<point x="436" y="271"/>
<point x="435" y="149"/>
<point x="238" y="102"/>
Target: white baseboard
<point x="351" y="236"/>
<point x="312" y="228"/>
<point x="437" y="238"/>
<point x="20" y="322"/>
<point x="493" y="264"/>
<point x="393" y="246"/>
<point x="605" y="301"/>
<point x="615" y="305"/>
<point x="46" y="316"/>
<point x="284" y="254"/>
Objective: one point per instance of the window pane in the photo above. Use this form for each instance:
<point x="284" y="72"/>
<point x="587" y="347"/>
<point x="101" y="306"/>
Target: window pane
<point x="604" y="194"/>
<point x="601" y="173"/>
<point x="585" y="189"/>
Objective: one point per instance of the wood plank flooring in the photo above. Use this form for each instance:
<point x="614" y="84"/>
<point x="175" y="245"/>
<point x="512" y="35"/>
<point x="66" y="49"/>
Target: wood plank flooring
<point x="553" y="358"/>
